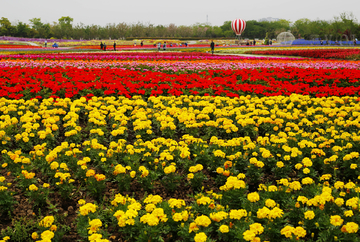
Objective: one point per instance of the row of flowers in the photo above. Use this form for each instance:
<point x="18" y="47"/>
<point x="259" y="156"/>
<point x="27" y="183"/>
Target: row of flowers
<point x="342" y="53"/>
<point x="18" y="82"/>
<point x="2" y="46"/>
<point x="125" y="56"/>
<point x="281" y="167"/>
<point x="188" y="66"/>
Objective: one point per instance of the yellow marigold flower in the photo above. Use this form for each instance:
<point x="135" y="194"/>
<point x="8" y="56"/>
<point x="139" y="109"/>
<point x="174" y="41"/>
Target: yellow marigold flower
<point x="262" y="212"/>
<point x="237" y="214"/>
<point x="339" y="201"/>
<point x="272" y="188"/>
<point x="353" y="202"/>
<point x="336" y="220"/>
<point x="33" y="187"/>
<point x="353" y="166"/>
<point x="190" y="176"/>
<point x="54" y="165"/>
<point x="149" y="219"/>
<point x="46" y="185"/>
<point x="253" y="197"/>
<point x="219" y="153"/>
<point x="53" y="228"/>
<point x="241" y="176"/>
<point x="87" y="208"/>
<point x="299" y="232"/>
<point x="136" y="206"/>
<point x="34" y="235"/>
<point x="284" y="182"/>
<point x="81" y="202"/>
<point x="169" y="169"/>
<point x="339" y="184"/>
<point x="270" y="203"/>
<point x="287" y="231"/>
<point x="90" y="173"/>
<point x="249" y="235"/>
<point x="280" y="164"/>
<point x="6" y="238"/>
<point x="348" y="213"/>
<point x="176" y="203"/>
<point x="275" y="213"/>
<point x="219" y="170"/>
<point x="132" y="174"/>
<point x="177" y="217"/>
<point x="325" y="177"/>
<point x="100" y="177"/>
<point x="203" y="220"/>
<point x="3" y="188"/>
<point x="302" y="199"/>
<point x="260" y="164"/>
<point x="200" y="237"/>
<point x="217" y="217"/>
<point x="306" y="170"/>
<point x="159" y="213"/>
<point x="95" y="237"/>
<point x="64" y="166"/>
<point x="351" y="227"/>
<point x="307" y="181"/>
<point x="226" y="173"/>
<point x="309" y="215"/>
<point x="295" y="185"/>
<point x="47" y="235"/>
<point x="47" y="221"/>
<point x="224" y="229"/>
<point x="193" y="227"/>
<point x="350" y="185"/>
<point x="257" y="228"/>
<point x="307" y="162"/>
<point x="95" y="224"/>
<point x="155" y="199"/>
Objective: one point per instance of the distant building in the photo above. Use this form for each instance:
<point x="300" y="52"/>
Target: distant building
<point x="268" y="19"/>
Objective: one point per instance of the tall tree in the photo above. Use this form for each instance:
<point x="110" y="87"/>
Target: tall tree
<point x="65" y="24"/>
<point x="22" y="30"/>
<point x="6" y="28"/>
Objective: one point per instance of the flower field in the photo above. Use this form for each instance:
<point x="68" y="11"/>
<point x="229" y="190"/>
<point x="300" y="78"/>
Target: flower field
<point x="178" y="147"/>
<point x="339" y="53"/>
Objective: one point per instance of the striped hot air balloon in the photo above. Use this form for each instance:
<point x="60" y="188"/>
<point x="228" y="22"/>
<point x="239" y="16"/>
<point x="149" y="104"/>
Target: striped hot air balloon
<point x="238" y="25"/>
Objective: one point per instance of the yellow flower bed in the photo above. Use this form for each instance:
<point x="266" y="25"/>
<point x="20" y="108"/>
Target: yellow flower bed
<point x="256" y="169"/>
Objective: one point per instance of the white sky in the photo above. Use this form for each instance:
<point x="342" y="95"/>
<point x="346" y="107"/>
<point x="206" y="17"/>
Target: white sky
<point x="179" y="12"/>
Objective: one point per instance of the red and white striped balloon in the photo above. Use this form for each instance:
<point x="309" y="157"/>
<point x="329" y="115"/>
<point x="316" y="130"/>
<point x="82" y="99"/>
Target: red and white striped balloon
<point x="238" y="25"/>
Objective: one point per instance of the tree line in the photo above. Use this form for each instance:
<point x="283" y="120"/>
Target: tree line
<point x="343" y="26"/>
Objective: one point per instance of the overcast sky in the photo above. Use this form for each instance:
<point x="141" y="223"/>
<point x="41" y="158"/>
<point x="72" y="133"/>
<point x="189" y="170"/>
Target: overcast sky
<point x="179" y="12"/>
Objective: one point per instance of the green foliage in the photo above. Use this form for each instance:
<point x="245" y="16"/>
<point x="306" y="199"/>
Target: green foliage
<point x="343" y="25"/>
<point x="21" y="230"/>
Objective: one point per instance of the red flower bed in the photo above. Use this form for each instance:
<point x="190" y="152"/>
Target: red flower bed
<point x="17" y="82"/>
<point x="314" y="53"/>
<point x="122" y="56"/>
<point x="19" y="47"/>
<point x="110" y="46"/>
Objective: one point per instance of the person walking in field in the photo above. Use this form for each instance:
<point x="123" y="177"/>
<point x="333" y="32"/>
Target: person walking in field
<point x="164" y="46"/>
<point x="114" y="46"/>
<point x="104" y="47"/>
<point x="101" y="45"/>
<point x="212" y="46"/>
<point x="159" y="46"/>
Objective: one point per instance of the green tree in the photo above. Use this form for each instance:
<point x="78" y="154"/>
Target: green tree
<point x="22" y="30"/>
<point x="41" y="30"/>
<point x="6" y="28"/>
<point x="66" y="28"/>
